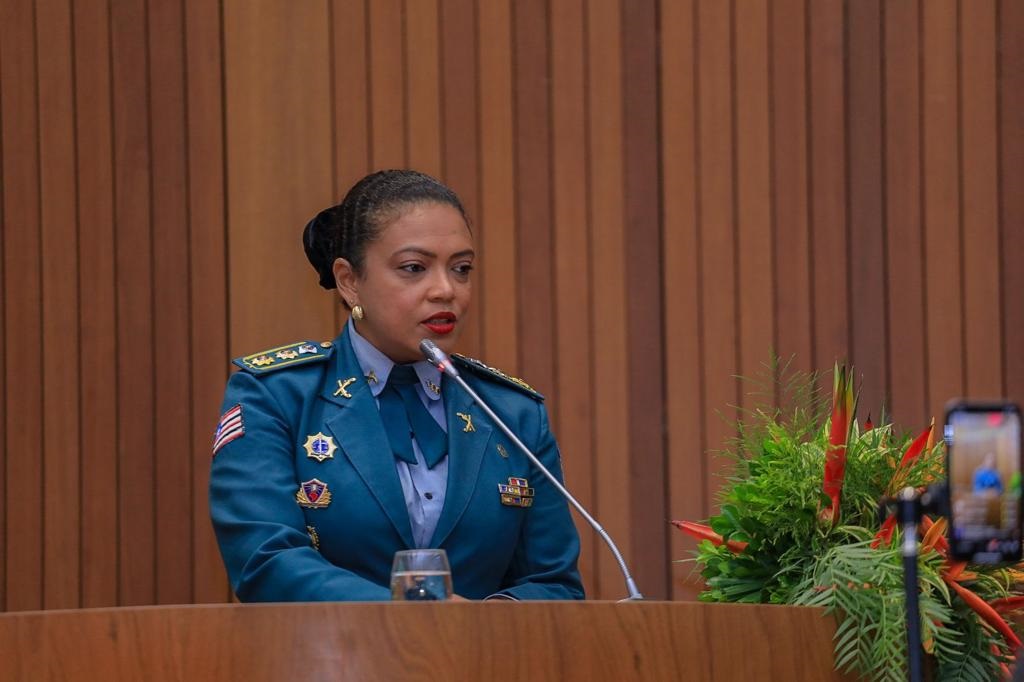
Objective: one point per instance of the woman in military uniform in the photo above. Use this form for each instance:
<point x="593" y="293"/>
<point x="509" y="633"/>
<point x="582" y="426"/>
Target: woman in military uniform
<point x="331" y="456"/>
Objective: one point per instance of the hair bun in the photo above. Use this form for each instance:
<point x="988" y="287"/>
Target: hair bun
<point x="317" y="243"/>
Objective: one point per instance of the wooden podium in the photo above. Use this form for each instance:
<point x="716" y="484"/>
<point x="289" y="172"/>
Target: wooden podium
<point x="417" y="641"/>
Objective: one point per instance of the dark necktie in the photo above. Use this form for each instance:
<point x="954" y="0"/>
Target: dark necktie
<point x="404" y="416"/>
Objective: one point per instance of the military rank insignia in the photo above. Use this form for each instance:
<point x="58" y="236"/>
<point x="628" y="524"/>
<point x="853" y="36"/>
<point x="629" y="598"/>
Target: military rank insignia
<point x="320" y="447"/>
<point x="293" y="354"/>
<point x="516" y="493"/>
<point x="314" y="537"/>
<point x="313" y="494"/>
<point x="229" y="428"/>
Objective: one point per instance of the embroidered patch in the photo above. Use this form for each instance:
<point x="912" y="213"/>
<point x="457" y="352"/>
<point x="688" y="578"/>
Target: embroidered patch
<point x="230" y="427"/>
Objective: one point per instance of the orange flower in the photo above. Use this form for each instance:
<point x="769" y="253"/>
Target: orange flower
<point x="702" y="532"/>
<point x="835" y="457"/>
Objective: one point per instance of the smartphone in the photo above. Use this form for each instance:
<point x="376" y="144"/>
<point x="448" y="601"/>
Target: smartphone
<point x="983" y="463"/>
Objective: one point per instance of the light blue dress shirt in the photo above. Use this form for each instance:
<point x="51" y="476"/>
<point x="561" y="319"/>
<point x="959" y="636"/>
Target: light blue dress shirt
<point x="424" y="488"/>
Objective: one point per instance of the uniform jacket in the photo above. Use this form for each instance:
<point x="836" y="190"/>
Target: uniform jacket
<point x="277" y="550"/>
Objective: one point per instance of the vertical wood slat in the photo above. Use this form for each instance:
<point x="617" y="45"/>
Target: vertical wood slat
<point x="208" y="337"/>
<point x="608" y="283"/>
<point x="979" y="178"/>
<point x="532" y="125"/>
<point x="460" y="122"/>
<point x="865" y="178"/>
<point x="755" y="267"/>
<point x="279" y="170"/>
<point x="497" y="292"/>
<point x="940" y="163"/>
<point x="171" y="303"/>
<point x="97" y="304"/>
<point x="3" y="349"/>
<point x="827" y="192"/>
<point x="59" y="242"/>
<point x="351" y="94"/>
<point x="22" y="307"/>
<point x="794" y="332"/>
<point x="133" y="239"/>
<point x="389" y="145"/>
<point x="718" y="323"/>
<point x="422" y="86"/>
<point x="1011" y="132"/>
<point x="645" y="355"/>
<point x="905" y="285"/>
<point x="573" y="372"/>
<point x="684" y="409"/>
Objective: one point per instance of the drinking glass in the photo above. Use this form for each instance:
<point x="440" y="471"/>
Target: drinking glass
<point x="421" y="575"/>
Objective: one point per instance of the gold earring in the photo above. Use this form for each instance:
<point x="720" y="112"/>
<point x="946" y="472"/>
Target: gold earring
<point x="357" y="312"/>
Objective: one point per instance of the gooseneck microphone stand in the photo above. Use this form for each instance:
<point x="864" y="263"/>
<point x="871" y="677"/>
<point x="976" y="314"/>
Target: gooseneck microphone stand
<point x="438" y="358"/>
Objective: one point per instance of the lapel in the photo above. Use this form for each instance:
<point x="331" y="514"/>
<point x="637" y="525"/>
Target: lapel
<point x="355" y="422"/>
<point x="465" y="454"/>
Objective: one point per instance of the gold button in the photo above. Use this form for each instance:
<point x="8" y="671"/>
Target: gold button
<point x="326" y="344"/>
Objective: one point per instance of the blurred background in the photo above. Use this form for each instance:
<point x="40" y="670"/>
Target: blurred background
<point x="665" y="194"/>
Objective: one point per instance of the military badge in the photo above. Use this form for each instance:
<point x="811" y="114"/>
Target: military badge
<point x="502" y="451"/>
<point x="343" y="385"/>
<point x="314" y="537"/>
<point x="263" y="361"/>
<point x="468" y="419"/>
<point x="287" y="354"/>
<point x="320" y="447"/>
<point x="229" y="428"/>
<point x="516" y="493"/>
<point x="307" y="348"/>
<point x="313" y="494"/>
<point x="434" y="388"/>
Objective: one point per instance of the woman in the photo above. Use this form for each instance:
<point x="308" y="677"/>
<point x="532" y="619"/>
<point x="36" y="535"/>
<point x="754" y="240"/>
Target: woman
<point x="332" y="456"/>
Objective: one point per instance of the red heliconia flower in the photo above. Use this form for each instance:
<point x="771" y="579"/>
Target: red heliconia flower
<point x="835" y="457"/>
<point x="702" y="532"/>
<point x="868" y="424"/>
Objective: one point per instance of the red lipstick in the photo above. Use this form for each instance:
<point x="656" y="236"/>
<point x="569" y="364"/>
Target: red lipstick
<point x="440" y="323"/>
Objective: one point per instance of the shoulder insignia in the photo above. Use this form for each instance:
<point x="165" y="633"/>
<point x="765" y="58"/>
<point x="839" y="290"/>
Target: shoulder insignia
<point x="481" y="369"/>
<point x="300" y="353"/>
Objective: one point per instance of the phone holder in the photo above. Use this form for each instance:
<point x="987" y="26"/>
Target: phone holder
<point x="909" y="506"/>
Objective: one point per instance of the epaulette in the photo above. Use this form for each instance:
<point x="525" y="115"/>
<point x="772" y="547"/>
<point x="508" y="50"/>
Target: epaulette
<point x="487" y="371"/>
<point x="301" y="353"/>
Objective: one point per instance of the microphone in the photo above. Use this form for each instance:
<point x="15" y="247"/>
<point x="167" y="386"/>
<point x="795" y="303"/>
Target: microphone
<point x="438" y="358"/>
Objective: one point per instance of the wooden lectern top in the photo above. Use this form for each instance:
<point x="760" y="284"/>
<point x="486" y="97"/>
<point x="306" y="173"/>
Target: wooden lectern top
<point x="533" y="641"/>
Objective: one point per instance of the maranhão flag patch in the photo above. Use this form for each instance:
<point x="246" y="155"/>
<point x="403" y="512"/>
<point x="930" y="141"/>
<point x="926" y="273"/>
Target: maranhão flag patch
<point x="229" y="428"/>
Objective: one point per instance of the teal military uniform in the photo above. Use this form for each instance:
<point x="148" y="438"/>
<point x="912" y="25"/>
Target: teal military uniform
<point x="321" y="522"/>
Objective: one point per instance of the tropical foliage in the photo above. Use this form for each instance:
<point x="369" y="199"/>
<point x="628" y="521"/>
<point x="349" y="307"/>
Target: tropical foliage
<point x="798" y="524"/>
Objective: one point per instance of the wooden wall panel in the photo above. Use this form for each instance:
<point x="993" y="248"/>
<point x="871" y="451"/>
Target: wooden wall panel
<point x="386" y="36"/>
<point x="662" y="193"/>
<point x="171" y="302"/>
<point x="941" y="161"/>
<point x="97" y="305"/>
<point x="715" y="155"/>
<point x="905" y="285"/>
<point x="497" y="286"/>
<point x="59" y="241"/>
<point x="980" y="190"/>
<point x="23" y="315"/>
<point x="791" y="210"/>
<point x="1011" y="172"/>
<point x="684" y="408"/>
<point x="208" y="293"/>
<point x="608" y="284"/>
<point x="828" y="188"/>
<point x="574" y="375"/>
<point x="133" y="170"/>
<point x="278" y="167"/>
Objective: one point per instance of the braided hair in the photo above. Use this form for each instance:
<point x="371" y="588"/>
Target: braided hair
<point x="343" y="231"/>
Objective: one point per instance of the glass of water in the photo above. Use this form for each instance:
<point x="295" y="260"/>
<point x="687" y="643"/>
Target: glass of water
<point x="421" y="575"/>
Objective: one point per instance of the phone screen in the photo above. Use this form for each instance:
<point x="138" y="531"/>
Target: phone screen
<point x="983" y="450"/>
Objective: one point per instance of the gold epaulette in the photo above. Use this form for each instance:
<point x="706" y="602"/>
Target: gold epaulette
<point x="300" y="353"/>
<point x="492" y="372"/>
